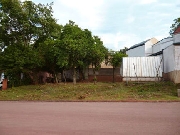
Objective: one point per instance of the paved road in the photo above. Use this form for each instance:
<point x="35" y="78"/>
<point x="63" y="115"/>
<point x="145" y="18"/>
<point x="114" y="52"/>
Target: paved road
<point x="89" y="118"/>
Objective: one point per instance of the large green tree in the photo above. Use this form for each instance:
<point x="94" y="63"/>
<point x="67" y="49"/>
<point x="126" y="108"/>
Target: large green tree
<point x="55" y="57"/>
<point x="24" y="26"/>
<point x="32" y="41"/>
<point x="73" y="38"/>
<point x="174" y="26"/>
<point x="25" y="22"/>
<point x="17" y="59"/>
<point x="86" y="60"/>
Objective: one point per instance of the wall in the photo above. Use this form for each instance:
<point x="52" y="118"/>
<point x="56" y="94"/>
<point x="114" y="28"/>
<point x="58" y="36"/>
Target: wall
<point x="168" y="56"/>
<point x="176" y="38"/>
<point x="148" y="46"/>
<point x="136" y="52"/>
<point x="164" y="43"/>
<point x="142" y="68"/>
<point x="177" y="64"/>
<point x="104" y="71"/>
<point x="171" y="57"/>
<point x="104" y="78"/>
<point x="104" y="75"/>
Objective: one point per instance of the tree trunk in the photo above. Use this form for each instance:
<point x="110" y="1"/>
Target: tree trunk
<point x="34" y="76"/>
<point x="55" y="78"/>
<point x="94" y="79"/>
<point x="84" y="74"/>
<point x="74" y="75"/>
<point x="64" y="77"/>
<point x="113" y="75"/>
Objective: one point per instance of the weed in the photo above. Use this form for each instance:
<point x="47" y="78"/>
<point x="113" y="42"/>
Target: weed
<point x="90" y="92"/>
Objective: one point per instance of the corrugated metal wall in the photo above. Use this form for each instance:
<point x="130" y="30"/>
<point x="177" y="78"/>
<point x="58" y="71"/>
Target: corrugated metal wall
<point x="164" y="43"/>
<point x="141" y="67"/>
<point x="176" y="38"/>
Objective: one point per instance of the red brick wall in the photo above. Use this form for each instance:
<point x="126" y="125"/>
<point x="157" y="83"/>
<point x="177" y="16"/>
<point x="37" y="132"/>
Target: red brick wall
<point x="105" y="78"/>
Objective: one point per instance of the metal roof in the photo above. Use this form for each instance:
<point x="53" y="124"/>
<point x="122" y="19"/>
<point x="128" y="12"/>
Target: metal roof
<point x="162" y="40"/>
<point x="137" y="45"/>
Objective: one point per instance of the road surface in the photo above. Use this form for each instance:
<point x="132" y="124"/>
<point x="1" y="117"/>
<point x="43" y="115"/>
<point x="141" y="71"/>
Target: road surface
<point x="89" y="118"/>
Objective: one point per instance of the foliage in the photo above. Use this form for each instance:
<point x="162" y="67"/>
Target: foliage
<point x="82" y="48"/>
<point x="124" y="50"/>
<point x="24" y="25"/>
<point x="115" y="59"/>
<point x="31" y="41"/>
<point x="73" y="40"/>
<point x="25" y="22"/>
<point x="174" y="26"/>
<point x="97" y="54"/>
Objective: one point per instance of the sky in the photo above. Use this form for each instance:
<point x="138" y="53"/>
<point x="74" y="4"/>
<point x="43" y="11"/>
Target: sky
<point x="119" y="23"/>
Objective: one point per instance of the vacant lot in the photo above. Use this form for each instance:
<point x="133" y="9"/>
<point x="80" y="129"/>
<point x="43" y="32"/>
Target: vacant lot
<point x="161" y="91"/>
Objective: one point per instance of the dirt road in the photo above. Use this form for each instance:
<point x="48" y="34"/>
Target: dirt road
<point x="89" y="118"/>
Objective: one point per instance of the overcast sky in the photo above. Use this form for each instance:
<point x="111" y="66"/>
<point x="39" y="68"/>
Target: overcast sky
<point x="119" y="23"/>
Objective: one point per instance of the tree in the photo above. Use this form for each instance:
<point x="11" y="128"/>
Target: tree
<point x="55" y="57"/>
<point x="17" y="59"/>
<point x="86" y="60"/>
<point x="25" y="22"/>
<point x="97" y="54"/>
<point x="24" y="26"/>
<point x="73" y="38"/>
<point x="124" y="50"/>
<point x="31" y="41"/>
<point x="174" y="26"/>
<point x="115" y="59"/>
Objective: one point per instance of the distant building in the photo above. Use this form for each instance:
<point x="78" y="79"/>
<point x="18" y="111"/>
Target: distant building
<point x="158" y="48"/>
<point x="142" y="49"/>
<point x="168" y="49"/>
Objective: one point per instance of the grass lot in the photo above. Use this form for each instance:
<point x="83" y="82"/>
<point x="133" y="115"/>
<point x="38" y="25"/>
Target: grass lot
<point x="161" y="91"/>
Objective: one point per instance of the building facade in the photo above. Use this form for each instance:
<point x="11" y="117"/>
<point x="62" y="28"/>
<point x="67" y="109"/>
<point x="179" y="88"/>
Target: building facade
<point x="168" y="49"/>
<point x="142" y="49"/>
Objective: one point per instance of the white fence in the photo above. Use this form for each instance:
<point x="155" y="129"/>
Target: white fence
<point x="141" y="67"/>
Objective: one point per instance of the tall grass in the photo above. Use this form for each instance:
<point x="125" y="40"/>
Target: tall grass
<point x="161" y="91"/>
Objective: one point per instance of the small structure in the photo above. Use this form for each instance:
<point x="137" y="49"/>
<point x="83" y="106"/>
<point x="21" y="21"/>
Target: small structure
<point x="142" y="49"/>
<point x="4" y="84"/>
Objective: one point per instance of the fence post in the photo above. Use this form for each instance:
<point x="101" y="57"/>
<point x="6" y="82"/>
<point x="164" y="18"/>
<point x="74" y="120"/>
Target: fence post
<point x="4" y="85"/>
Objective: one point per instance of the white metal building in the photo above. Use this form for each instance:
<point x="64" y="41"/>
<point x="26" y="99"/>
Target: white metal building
<point x="168" y="49"/>
<point x="161" y="45"/>
<point x="171" y="58"/>
<point x="142" y="49"/>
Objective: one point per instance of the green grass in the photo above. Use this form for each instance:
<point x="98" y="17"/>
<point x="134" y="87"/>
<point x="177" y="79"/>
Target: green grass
<point x="161" y="91"/>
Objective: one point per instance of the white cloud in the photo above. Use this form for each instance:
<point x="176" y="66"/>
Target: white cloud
<point x="147" y="1"/>
<point x="87" y="14"/>
<point x="119" y="40"/>
<point x="119" y="23"/>
<point x="165" y="14"/>
<point x="130" y="19"/>
<point x="166" y="4"/>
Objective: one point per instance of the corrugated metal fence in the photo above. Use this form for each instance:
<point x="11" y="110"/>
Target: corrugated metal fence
<point x="141" y="67"/>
